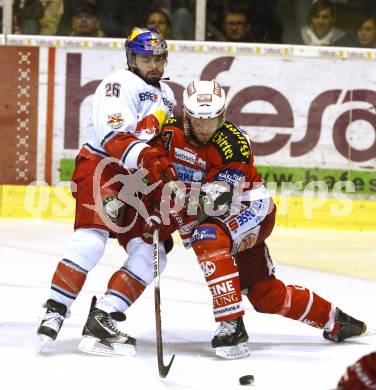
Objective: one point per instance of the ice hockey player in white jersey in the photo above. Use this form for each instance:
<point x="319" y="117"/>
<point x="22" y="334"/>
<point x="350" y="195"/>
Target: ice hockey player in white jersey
<point x="128" y="110"/>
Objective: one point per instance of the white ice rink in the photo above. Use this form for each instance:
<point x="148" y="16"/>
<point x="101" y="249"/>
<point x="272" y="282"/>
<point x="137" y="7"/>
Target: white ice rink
<point x="284" y="354"/>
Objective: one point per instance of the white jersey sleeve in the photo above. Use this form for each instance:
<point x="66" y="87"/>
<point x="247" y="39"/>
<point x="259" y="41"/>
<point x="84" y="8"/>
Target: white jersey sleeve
<point x="126" y="113"/>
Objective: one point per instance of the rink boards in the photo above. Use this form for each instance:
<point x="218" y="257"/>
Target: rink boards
<point x="310" y="233"/>
<point x="57" y="203"/>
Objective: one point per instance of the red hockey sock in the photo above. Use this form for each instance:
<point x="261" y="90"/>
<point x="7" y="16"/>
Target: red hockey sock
<point x="67" y="281"/>
<point x="211" y="245"/>
<point x="125" y="286"/>
<point x="306" y="306"/>
<point x="222" y="277"/>
<point x="295" y="302"/>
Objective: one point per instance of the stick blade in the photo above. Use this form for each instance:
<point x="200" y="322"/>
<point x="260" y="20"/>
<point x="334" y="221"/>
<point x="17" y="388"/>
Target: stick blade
<point x="164" y="370"/>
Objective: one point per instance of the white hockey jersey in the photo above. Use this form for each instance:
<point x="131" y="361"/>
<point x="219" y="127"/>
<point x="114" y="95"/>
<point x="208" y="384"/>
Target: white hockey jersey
<point x="126" y="113"/>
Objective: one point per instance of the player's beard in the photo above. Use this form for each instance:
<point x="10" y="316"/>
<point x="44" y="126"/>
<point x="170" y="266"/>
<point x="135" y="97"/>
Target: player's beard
<point x="202" y="137"/>
<point x="204" y="133"/>
<point x="153" y="77"/>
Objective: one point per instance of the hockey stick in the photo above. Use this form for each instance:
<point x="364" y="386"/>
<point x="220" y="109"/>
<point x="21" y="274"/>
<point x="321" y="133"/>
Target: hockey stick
<point x="163" y="370"/>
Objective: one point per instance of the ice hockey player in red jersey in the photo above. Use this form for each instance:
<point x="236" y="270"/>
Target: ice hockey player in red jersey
<point x="128" y="110"/>
<point x="228" y="233"/>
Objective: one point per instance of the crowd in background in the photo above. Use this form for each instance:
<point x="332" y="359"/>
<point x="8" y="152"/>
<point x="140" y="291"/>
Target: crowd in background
<point x="307" y="22"/>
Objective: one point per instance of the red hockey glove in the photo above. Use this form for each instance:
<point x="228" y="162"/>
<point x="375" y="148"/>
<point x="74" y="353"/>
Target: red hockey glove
<point x="158" y="165"/>
<point x="155" y="222"/>
<point x="361" y="375"/>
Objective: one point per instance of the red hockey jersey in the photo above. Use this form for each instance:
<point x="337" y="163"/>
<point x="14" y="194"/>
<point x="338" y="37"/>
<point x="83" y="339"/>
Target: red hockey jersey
<point x="226" y="158"/>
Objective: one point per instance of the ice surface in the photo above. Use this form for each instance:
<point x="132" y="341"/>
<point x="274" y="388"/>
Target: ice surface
<point x="284" y="354"/>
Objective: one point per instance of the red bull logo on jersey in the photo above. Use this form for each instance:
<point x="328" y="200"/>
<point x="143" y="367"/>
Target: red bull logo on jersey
<point x="115" y="121"/>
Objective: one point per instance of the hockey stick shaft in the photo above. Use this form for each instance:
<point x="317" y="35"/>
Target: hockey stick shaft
<point x="163" y="370"/>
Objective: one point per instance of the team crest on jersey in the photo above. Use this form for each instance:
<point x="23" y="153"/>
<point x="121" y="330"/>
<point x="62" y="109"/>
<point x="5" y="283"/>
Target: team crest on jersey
<point x="111" y="206"/>
<point x="115" y="121"/>
<point x="248" y="242"/>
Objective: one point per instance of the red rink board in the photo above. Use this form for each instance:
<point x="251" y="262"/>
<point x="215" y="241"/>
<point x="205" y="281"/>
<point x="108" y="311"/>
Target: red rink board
<point x="19" y="78"/>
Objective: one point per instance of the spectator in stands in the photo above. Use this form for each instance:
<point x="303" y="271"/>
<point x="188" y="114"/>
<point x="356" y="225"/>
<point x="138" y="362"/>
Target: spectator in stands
<point x="26" y="15"/>
<point x="161" y="19"/>
<point x="244" y="21"/>
<point x="235" y="26"/>
<point x="366" y="32"/>
<point x="85" y="22"/>
<point x="365" y="35"/>
<point x="320" y="30"/>
<point x="112" y="15"/>
<point x="53" y="10"/>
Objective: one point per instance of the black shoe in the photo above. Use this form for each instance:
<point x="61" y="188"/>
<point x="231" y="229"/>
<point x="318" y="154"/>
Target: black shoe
<point x="345" y="326"/>
<point x="53" y="319"/>
<point x="101" y="335"/>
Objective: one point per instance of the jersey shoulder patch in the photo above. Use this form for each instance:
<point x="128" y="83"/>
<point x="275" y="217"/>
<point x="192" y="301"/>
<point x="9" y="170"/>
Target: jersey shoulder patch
<point x="232" y="144"/>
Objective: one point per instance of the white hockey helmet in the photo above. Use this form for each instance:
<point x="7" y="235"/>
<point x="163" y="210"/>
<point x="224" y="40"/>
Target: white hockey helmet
<point x="204" y="99"/>
<point x="203" y="102"/>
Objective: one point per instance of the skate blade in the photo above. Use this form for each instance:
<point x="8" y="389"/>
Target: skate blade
<point x="42" y="342"/>
<point x="239" y="351"/>
<point x="94" y="346"/>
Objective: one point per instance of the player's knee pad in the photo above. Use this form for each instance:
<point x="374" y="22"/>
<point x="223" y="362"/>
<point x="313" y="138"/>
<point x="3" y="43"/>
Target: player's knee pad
<point x="83" y="252"/>
<point x="268" y="296"/>
<point x="209" y="237"/>
<point x="140" y="260"/>
<point x="86" y="247"/>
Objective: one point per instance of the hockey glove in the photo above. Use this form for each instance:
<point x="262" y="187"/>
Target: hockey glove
<point x="158" y="165"/>
<point x="165" y="230"/>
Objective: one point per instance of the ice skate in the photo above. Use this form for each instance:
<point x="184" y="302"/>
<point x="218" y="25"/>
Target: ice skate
<point x="345" y="326"/>
<point x="230" y="339"/>
<point x="51" y="323"/>
<point x="102" y="337"/>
